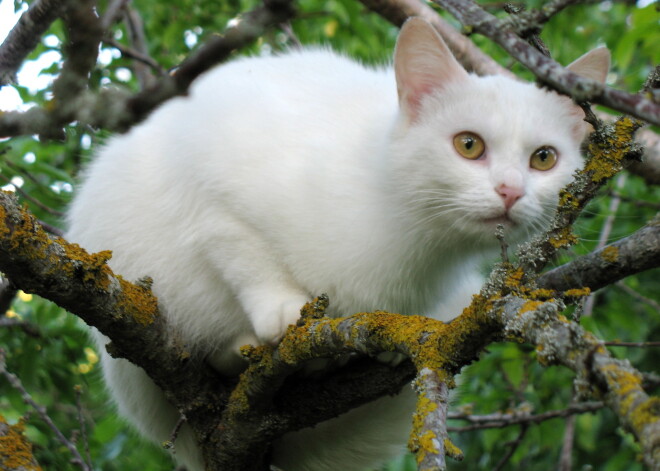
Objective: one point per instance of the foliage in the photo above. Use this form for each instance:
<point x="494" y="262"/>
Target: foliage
<point x="51" y="362"/>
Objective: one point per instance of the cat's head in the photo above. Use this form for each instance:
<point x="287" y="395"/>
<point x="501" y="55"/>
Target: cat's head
<point x="472" y="152"/>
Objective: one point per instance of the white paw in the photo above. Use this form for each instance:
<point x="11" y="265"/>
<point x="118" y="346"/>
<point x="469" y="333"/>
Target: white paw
<point x="271" y="325"/>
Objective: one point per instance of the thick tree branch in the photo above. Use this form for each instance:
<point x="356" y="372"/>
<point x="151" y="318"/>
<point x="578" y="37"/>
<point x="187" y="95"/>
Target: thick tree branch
<point x="466" y="52"/>
<point x="128" y="313"/>
<point x="617" y="383"/>
<point x="25" y="36"/>
<point x="579" y="88"/>
<point x="256" y="411"/>
<point x="84" y="32"/>
<point x="116" y="110"/>
<point x="636" y="253"/>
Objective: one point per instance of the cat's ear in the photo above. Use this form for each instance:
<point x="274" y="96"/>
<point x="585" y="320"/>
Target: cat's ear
<point x="593" y="65"/>
<point x="423" y="64"/>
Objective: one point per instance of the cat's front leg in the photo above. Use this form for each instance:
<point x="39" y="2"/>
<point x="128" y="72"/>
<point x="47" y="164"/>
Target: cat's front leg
<point x="261" y="281"/>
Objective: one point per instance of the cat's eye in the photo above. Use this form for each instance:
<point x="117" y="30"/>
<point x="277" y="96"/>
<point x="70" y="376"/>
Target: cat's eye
<point x="543" y="158"/>
<point x="469" y="145"/>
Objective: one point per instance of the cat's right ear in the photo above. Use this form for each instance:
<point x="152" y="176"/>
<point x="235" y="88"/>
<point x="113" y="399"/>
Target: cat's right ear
<point x="423" y="64"/>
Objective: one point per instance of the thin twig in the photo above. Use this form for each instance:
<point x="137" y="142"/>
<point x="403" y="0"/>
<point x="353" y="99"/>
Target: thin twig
<point x="606" y="230"/>
<point x="513" y="446"/>
<point x="171" y="443"/>
<point x="499" y="233"/>
<point x="532" y="20"/>
<point x="83" y="427"/>
<point x="56" y="231"/>
<point x="500" y="420"/>
<point x="615" y="343"/>
<point x="41" y="411"/>
<point x="634" y="201"/>
<point x="138" y="41"/>
<point x="291" y="35"/>
<point x="134" y="54"/>
<point x="32" y="199"/>
<point x="112" y="13"/>
<point x="639" y="297"/>
<point x="566" y="455"/>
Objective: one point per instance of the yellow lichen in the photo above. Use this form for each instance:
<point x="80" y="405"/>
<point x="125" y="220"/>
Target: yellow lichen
<point x="92" y="268"/>
<point x="627" y="388"/>
<point x="514" y="277"/>
<point x="26" y="238"/>
<point x="422" y="443"/>
<point x="568" y="199"/>
<point x="563" y="238"/>
<point x="529" y="305"/>
<point x="137" y="300"/>
<point x="608" y="154"/>
<point x="428" y="442"/>
<point x="577" y="292"/>
<point x="15" y="449"/>
<point x="646" y="413"/>
<point x="542" y="294"/>
<point x="452" y="450"/>
<point x="610" y="254"/>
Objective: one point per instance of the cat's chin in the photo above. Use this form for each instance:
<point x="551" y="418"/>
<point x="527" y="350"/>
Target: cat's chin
<point x="503" y="219"/>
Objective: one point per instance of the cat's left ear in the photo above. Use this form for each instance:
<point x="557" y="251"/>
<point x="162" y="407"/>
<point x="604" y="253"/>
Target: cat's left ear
<point x="423" y="64"/>
<point x="593" y="65"/>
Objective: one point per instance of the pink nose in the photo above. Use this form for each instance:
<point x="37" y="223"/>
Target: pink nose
<point x="509" y="194"/>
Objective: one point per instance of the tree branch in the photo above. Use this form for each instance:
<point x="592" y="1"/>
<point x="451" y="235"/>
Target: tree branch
<point x="127" y="313"/>
<point x="115" y="110"/>
<point x="41" y="411"/>
<point x="472" y="58"/>
<point x="563" y="342"/>
<point x="25" y="36"/>
<point x="633" y="254"/>
<point x="465" y="51"/>
<point x="579" y="88"/>
<point x="499" y="420"/>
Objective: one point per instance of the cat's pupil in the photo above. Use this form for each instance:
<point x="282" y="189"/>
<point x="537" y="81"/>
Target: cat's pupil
<point x="543" y="154"/>
<point x="468" y="142"/>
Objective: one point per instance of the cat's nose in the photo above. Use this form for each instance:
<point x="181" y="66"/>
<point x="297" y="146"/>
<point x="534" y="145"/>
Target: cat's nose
<point x="510" y="194"/>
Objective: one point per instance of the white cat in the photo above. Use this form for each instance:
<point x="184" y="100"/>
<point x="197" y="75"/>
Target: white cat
<point x="280" y="178"/>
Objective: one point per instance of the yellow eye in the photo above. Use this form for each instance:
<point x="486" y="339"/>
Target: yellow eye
<point x="543" y="158"/>
<point x="469" y="145"/>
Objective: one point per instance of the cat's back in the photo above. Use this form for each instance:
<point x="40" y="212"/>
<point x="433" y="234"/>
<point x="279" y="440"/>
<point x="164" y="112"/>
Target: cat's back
<point x="310" y="76"/>
<point x="245" y="126"/>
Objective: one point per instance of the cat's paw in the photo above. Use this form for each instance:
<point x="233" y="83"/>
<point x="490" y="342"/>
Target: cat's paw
<point x="271" y="326"/>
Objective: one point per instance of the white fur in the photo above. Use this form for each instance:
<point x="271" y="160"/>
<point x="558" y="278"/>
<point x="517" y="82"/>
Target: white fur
<point x="280" y="178"/>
